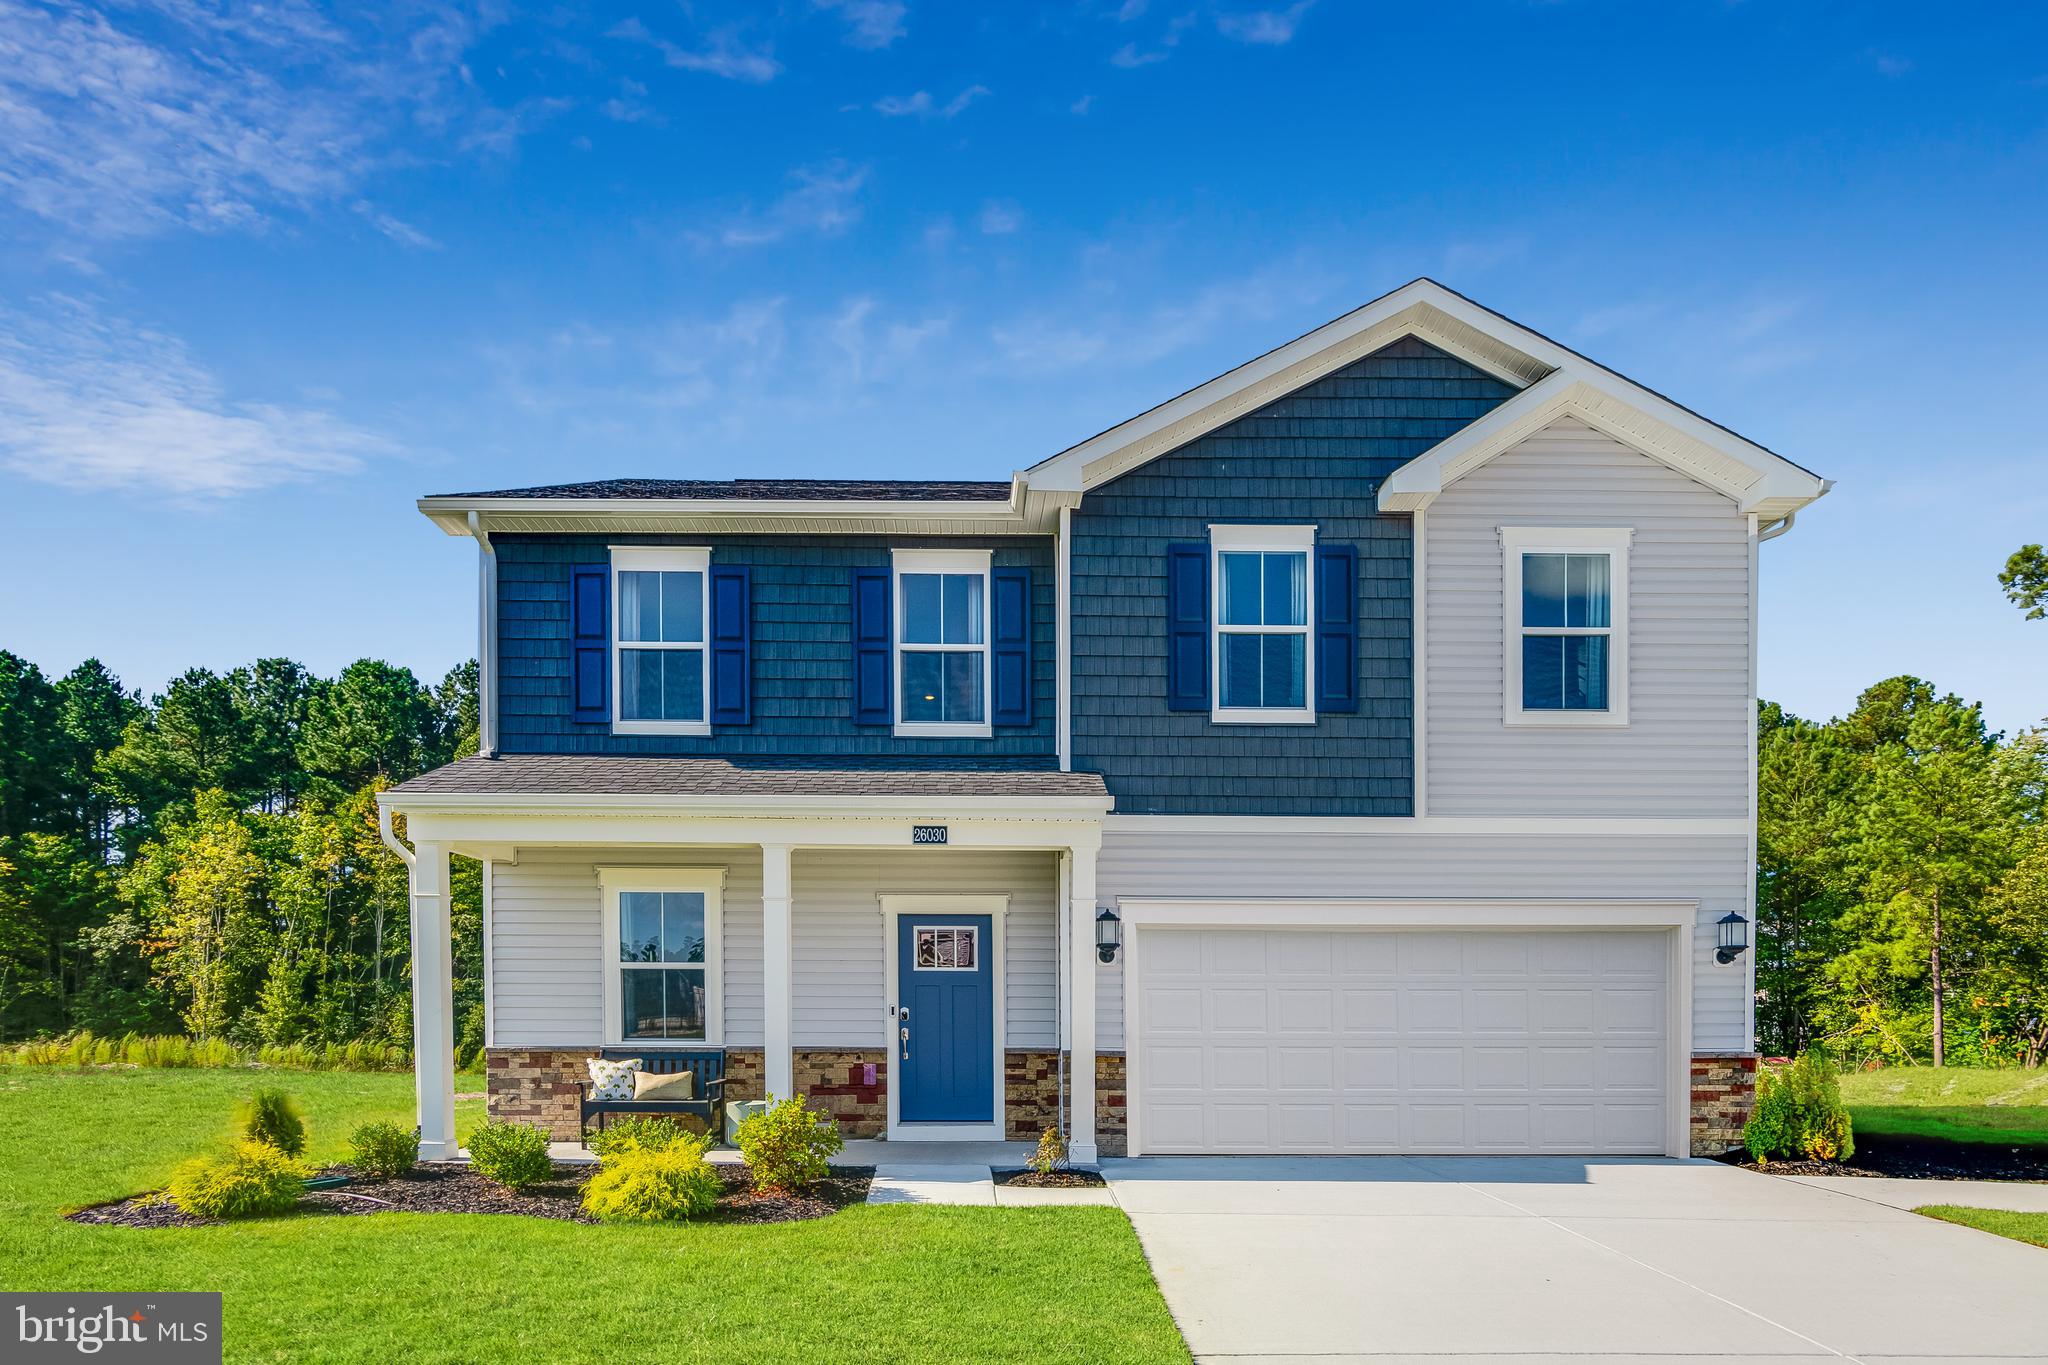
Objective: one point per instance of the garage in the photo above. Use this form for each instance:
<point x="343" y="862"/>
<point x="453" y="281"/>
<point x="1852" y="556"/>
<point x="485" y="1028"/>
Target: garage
<point x="1357" y="1040"/>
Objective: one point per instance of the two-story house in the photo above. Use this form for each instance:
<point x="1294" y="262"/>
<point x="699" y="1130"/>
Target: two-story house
<point x="1352" y="754"/>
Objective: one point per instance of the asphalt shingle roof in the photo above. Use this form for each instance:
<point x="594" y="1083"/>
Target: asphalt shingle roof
<point x="767" y="490"/>
<point x="664" y="775"/>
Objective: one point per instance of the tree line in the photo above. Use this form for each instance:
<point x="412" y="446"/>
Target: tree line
<point x="207" y="861"/>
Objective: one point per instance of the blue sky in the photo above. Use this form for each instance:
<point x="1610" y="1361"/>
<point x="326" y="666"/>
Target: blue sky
<point x="269" y="273"/>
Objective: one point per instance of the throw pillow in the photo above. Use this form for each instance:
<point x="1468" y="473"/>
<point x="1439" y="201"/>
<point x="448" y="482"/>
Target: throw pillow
<point x="648" y="1086"/>
<point x="612" y="1080"/>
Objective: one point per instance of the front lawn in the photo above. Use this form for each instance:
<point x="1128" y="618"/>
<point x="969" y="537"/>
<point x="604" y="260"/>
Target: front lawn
<point x="890" y="1284"/>
<point x="2021" y="1227"/>
<point x="1950" y="1104"/>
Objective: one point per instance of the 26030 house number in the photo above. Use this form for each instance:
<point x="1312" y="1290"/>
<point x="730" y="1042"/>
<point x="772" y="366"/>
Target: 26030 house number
<point x="928" y="834"/>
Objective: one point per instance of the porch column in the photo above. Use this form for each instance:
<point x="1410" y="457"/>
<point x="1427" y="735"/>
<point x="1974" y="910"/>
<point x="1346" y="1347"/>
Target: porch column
<point x="777" y="969"/>
<point x="433" y="1003"/>
<point x="1081" y="1004"/>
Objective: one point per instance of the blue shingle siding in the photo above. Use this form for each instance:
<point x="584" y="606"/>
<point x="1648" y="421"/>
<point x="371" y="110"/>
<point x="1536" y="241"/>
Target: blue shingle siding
<point x="802" y="649"/>
<point x="1317" y="455"/>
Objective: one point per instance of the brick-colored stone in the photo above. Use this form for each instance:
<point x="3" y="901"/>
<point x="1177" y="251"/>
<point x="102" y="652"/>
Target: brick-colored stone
<point x="1723" y="1091"/>
<point x="540" y="1086"/>
<point x="1031" y="1088"/>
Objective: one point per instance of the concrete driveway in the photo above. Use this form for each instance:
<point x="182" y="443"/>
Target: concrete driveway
<point x="1541" y="1258"/>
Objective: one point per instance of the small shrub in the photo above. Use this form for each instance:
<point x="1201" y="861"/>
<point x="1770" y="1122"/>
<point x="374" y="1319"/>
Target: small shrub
<point x="1799" y="1112"/>
<point x="252" y="1180"/>
<point x="510" y="1154"/>
<point x="643" y="1132"/>
<point x="652" y="1184"/>
<point x="273" y="1117"/>
<point x="786" y="1145"/>
<point x="1052" y="1152"/>
<point x="384" y="1149"/>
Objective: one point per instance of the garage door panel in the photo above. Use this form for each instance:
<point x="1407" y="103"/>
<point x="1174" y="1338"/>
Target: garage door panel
<point x="1386" y="1041"/>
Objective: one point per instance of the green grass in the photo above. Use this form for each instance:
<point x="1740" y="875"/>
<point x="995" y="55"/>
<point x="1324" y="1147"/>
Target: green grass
<point x="886" y="1284"/>
<point x="1951" y="1103"/>
<point x="2021" y="1227"/>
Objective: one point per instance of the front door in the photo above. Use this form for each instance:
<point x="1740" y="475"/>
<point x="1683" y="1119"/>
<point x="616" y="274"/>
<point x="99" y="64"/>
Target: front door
<point x="945" y="1019"/>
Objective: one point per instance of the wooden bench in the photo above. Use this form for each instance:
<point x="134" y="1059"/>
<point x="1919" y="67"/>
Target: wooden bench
<point x="706" y="1067"/>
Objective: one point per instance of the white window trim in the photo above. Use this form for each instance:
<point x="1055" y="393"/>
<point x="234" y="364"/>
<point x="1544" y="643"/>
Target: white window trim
<point x="670" y="559"/>
<point x="903" y="562"/>
<point x="1233" y="538"/>
<point x="1517" y="541"/>
<point x="708" y="880"/>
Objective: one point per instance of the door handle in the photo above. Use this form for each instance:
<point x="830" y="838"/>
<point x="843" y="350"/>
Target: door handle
<point x="905" y="1034"/>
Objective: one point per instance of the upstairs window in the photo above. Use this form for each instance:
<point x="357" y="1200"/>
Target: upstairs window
<point x="942" y="633"/>
<point x="1265" y="668"/>
<point x="661" y="608"/>
<point x="1567" y="653"/>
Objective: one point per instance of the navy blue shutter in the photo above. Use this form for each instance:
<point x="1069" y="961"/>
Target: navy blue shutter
<point x="732" y="646"/>
<point x="871" y="648"/>
<point x="590" y="642"/>
<point x="1336" y="628"/>
<point x="1010" y="640"/>
<point x="1187" y="627"/>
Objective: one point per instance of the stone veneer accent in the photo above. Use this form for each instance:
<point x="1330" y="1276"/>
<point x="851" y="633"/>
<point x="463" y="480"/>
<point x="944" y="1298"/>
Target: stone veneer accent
<point x="539" y="1085"/>
<point x="1031" y="1088"/>
<point x="1723" y="1090"/>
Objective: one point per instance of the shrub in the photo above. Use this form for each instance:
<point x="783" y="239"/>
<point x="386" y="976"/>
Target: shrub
<point x="271" y="1116"/>
<point x="252" y="1180"/>
<point x="1798" y="1112"/>
<point x="384" y="1149"/>
<point x="652" y="1184"/>
<point x="786" y="1145"/>
<point x="1052" y="1152"/>
<point x="643" y="1132"/>
<point x="510" y="1154"/>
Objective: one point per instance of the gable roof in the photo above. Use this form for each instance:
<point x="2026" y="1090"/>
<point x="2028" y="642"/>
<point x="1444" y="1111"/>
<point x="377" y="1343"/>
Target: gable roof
<point x="1553" y="380"/>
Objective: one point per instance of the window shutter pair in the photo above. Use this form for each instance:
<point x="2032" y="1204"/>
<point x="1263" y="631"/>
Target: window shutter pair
<point x="1333" y="621"/>
<point x="1009" y="647"/>
<point x="730" y="643"/>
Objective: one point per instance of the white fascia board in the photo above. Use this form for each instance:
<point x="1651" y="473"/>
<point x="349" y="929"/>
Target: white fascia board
<point x="452" y="514"/>
<point x="742" y="807"/>
<point x="1406" y="912"/>
<point x="1409" y="826"/>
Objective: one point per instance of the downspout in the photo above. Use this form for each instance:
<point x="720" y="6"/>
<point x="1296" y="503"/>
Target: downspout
<point x="1776" y="528"/>
<point x="390" y="836"/>
<point x="486" y="640"/>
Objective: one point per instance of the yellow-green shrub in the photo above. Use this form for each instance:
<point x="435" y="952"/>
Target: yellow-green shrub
<point x="652" y="1184"/>
<point x="1799" y="1112"/>
<point x="786" y="1145"/>
<point x="251" y="1180"/>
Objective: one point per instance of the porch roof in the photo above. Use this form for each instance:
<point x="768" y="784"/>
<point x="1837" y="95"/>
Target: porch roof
<point x="744" y="776"/>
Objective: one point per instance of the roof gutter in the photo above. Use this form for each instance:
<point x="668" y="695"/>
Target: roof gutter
<point x="850" y="806"/>
<point x="486" y="639"/>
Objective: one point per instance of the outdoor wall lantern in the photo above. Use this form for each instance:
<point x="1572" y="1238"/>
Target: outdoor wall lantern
<point x="1733" y="938"/>
<point x="1109" y="935"/>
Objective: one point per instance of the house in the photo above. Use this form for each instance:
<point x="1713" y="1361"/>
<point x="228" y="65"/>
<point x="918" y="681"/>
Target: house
<point x="1352" y="754"/>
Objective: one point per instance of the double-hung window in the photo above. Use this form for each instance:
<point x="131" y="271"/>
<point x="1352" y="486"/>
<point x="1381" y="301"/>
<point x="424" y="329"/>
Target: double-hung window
<point x="1265" y="667"/>
<point x="661" y="931"/>
<point x="658" y="670"/>
<point x="1566" y="592"/>
<point x="942" y="670"/>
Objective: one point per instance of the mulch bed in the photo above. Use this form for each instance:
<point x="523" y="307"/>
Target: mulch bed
<point x="1058" y="1180"/>
<point x="1920" y="1159"/>
<point x="457" y="1189"/>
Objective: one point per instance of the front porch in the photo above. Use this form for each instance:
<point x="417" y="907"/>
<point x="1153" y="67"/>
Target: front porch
<point x="792" y="932"/>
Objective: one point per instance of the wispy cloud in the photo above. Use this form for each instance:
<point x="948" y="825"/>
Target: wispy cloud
<point x="922" y="105"/>
<point x="870" y="24"/>
<point x="999" y="218"/>
<point x="1131" y="56"/>
<point x="100" y="404"/>
<point x="822" y="200"/>
<point x="1269" y="27"/>
<point x="722" y="53"/>
<point x="397" y="229"/>
<point x="1082" y="105"/>
<point x="1888" y="64"/>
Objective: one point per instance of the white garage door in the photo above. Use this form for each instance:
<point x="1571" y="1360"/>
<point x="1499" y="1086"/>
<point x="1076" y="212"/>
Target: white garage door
<point x="1401" y="1041"/>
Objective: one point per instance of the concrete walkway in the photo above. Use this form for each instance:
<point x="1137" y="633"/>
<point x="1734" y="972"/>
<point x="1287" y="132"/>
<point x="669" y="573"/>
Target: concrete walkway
<point x="1529" y="1259"/>
<point x="954" y="1173"/>
<point x="2020" y="1196"/>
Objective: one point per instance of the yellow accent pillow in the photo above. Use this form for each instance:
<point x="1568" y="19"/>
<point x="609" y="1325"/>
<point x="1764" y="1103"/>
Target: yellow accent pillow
<point x="648" y="1086"/>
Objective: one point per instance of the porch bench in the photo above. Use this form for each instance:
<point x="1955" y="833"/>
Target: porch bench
<point x="706" y="1068"/>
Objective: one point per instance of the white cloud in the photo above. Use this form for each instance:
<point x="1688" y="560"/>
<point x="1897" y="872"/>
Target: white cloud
<point x="99" y="404"/>
<point x="1267" y="27"/>
<point x="823" y="199"/>
<point x="870" y="24"/>
<point x="722" y="53"/>
<point x="1130" y="58"/>
<point x="999" y="218"/>
<point x="922" y="105"/>
<point x="1129" y="10"/>
<point x="1081" y="105"/>
<point x="397" y="229"/>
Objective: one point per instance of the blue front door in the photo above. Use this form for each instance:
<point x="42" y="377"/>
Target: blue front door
<point x="946" y="1005"/>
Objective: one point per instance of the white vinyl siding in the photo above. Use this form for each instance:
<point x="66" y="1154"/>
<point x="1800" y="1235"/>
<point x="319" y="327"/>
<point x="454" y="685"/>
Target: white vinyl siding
<point x="1684" y="750"/>
<point x="1198" y="864"/>
<point x="546" y="923"/>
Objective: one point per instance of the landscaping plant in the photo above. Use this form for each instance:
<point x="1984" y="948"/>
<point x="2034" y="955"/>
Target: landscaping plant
<point x="384" y="1149"/>
<point x="786" y="1145"/>
<point x="253" y="1179"/>
<point x="1052" y="1152"/>
<point x="273" y="1117"/>
<point x="645" y="1132"/>
<point x="510" y="1154"/>
<point x="637" y="1184"/>
<point x="1798" y="1112"/>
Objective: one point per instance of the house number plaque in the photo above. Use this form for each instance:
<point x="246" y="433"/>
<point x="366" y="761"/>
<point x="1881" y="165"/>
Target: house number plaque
<point x="928" y="834"/>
